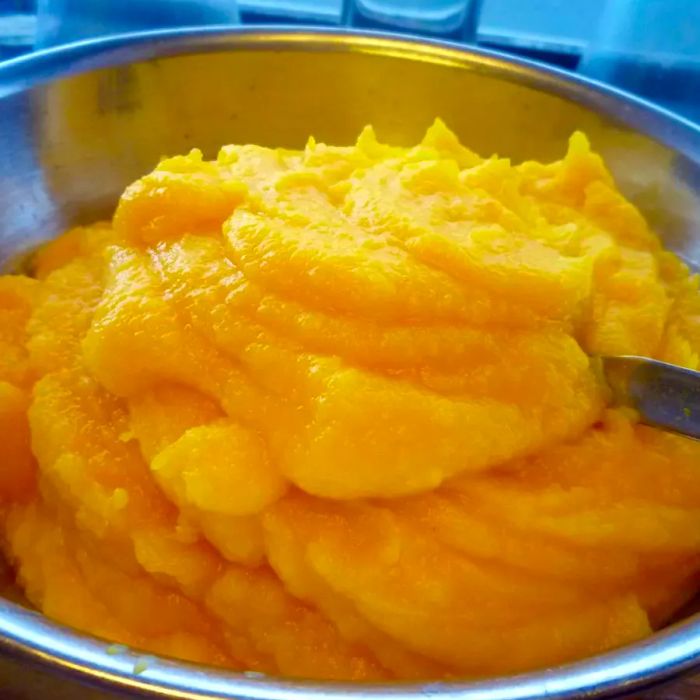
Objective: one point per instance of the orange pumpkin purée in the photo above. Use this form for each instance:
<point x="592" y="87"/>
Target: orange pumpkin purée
<point x="330" y="413"/>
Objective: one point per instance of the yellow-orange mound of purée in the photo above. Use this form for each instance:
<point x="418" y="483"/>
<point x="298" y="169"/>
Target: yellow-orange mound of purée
<point x="330" y="413"/>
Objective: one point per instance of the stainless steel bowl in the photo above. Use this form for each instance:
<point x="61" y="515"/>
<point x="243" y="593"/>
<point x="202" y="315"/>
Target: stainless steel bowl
<point x="77" y="124"/>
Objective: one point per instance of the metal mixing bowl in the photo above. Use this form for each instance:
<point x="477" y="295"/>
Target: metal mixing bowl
<point x="77" y="124"/>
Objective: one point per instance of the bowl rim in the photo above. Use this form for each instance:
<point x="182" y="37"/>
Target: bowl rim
<point x="30" y="637"/>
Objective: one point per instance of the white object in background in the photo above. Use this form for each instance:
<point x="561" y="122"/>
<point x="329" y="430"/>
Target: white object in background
<point x="455" y="19"/>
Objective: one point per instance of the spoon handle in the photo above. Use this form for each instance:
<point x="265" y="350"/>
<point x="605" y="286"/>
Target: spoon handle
<point x="666" y="396"/>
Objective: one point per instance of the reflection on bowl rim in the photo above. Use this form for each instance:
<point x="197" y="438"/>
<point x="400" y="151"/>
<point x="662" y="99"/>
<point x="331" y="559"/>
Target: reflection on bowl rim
<point x="30" y="637"/>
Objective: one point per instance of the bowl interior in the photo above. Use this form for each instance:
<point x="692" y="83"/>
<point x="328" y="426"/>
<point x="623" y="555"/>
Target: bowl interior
<point x="72" y="143"/>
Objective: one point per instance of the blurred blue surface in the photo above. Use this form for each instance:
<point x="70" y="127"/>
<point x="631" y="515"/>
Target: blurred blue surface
<point x="544" y="25"/>
<point x="63" y="21"/>
<point x="651" y="48"/>
<point x="325" y="11"/>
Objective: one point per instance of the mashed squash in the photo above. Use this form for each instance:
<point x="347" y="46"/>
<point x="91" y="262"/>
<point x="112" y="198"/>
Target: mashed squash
<point x="331" y="413"/>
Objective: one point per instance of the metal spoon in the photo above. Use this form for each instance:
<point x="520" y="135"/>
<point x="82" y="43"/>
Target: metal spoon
<point x="666" y="396"/>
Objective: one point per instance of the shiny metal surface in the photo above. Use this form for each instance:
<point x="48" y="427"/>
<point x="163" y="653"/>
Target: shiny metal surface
<point x="666" y="396"/>
<point x="77" y="124"/>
